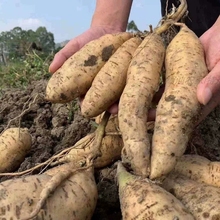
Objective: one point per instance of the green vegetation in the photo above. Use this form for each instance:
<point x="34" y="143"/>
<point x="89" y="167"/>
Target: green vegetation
<point x="21" y="73"/>
<point x="25" y="55"/>
<point x="132" y="27"/>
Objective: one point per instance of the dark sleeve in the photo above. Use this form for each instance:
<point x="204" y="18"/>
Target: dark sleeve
<point x="202" y="13"/>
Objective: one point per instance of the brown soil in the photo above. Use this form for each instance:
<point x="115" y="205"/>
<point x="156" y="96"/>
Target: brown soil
<point x="55" y="127"/>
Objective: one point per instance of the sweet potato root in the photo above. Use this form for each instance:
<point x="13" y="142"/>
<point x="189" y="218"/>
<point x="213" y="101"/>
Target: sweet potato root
<point x="141" y="199"/>
<point x="112" y="125"/>
<point x="178" y="109"/>
<point x="75" y="77"/>
<point x="75" y="198"/>
<point x="142" y="83"/>
<point x="200" y="199"/>
<point x="15" y="143"/>
<point x="110" y="149"/>
<point x="110" y="81"/>
<point x="199" y="168"/>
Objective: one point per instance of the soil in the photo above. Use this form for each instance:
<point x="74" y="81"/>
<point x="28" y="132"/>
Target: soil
<point x="55" y="127"/>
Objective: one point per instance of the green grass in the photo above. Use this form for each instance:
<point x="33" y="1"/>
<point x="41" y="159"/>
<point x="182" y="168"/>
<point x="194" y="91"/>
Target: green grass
<point x="18" y="74"/>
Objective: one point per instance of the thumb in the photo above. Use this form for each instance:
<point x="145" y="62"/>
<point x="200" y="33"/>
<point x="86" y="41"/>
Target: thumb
<point x="209" y="86"/>
<point x="70" y="48"/>
<point x="208" y="91"/>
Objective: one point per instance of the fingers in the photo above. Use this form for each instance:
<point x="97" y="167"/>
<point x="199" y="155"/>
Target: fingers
<point x="81" y="100"/>
<point x="113" y="109"/>
<point x="70" y="48"/>
<point x="151" y="113"/>
<point x="209" y="86"/>
<point x="210" y="40"/>
<point x="207" y="109"/>
<point x="208" y="91"/>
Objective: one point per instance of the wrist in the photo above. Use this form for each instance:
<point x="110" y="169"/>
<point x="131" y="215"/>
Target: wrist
<point x="108" y="22"/>
<point x="112" y="14"/>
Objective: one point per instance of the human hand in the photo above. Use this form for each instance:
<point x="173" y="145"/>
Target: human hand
<point x="208" y="91"/>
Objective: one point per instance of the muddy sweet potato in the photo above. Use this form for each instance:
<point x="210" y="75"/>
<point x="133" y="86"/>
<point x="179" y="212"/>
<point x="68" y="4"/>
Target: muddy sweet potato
<point x="199" y="168"/>
<point x="110" y="151"/>
<point x="200" y="199"/>
<point x="75" y="76"/>
<point x="110" y="81"/>
<point x="74" y="199"/>
<point x="142" y="83"/>
<point x="142" y="199"/>
<point x="178" y="109"/>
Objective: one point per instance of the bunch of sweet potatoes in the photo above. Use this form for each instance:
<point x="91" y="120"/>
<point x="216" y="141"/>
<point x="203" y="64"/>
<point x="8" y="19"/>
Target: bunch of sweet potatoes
<point x="131" y="76"/>
<point x="155" y="180"/>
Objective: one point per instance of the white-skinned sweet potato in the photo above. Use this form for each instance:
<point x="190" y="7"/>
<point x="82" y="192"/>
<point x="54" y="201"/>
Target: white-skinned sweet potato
<point x="202" y="200"/>
<point x="143" y="79"/>
<point x="199" y="168"/>
<point x="74" y="199"/>
<point x="178" y="109"/>
<point x="15" y="143"/>
<point x="110" y="81"/>
<point x="142" y="199"/>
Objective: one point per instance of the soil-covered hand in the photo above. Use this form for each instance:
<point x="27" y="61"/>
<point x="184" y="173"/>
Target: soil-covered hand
<point x="208" y="91"/>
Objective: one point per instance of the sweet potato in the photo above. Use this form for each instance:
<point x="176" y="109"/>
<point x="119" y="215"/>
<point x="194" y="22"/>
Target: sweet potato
<point x="75" y="76"/>
<point x="109" y="147"/>
<point x="75" y="198"/>
<point x="110" y="151"/>
<point x="202" y="200"/>
<point x="141" y="199"/>
<point x="57" y="169"/>
<point x="178" y="109"/>
<point x="110" y="81"/>
<point x="199" y="168"/>
<point x="15" y="143"/>
<point x="142" y="83"/>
